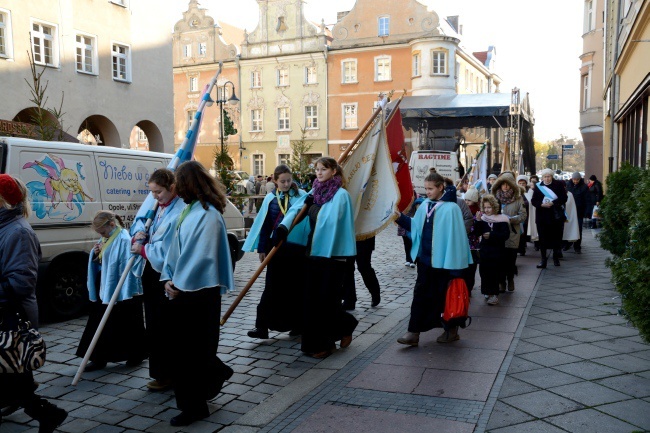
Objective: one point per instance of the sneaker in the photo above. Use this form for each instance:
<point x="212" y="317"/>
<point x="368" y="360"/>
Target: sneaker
<point x="493" y="300"/>
<point x="407" y="263"/>
<point x="410" y="339"/>
<point x="412" y="265"/>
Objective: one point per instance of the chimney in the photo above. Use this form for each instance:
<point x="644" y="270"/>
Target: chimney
<point x="340" y="15"/>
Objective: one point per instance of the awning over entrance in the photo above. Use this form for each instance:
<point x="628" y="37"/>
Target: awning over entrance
<point x="488" y="110"/>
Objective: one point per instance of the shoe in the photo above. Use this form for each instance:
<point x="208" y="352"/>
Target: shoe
<point x="187" y="418"/>
<point x="410" y="339"/>
<point x="376" y="299"/>
<point x="49" y="416"/>
<point x="159" y="385"/>
<point x="407" y="263"/>
<point x="541" y="265"/>
<point x="259" y="333"/>
<point x="556" y="261"/>
<point x="346" y="341"/>
<point x="412" y="265"/>
<point x="502" y="287"/>
<point x="95" y="365"/>
<point x="493" y="300"/>
<point x="134" y="362"/>
<point x="348" y="306"/>
<point x="324" y="354"/>
<point x="511" y="284"/>
<point x="449" y="336"/>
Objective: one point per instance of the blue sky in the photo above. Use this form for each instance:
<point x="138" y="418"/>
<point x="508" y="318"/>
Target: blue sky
<point x="538" y="46"/>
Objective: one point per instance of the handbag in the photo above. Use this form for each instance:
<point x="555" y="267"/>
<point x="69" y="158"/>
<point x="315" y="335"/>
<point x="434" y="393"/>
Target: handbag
<point x="22" y="347"/>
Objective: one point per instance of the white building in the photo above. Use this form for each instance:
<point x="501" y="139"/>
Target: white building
<point x="111" y="61"/>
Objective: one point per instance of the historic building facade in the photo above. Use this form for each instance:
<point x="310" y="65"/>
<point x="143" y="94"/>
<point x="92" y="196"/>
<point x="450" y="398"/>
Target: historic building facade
<point x="380" y="46"/>
<point x="100" y="56"/>
<point x="199" y="44"/>
<point x="627" y="83"/>
<point x="284" y="86"/>
<point x="591" y="87"/>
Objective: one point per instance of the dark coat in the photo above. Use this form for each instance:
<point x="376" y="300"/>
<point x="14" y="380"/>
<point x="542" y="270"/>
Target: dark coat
<point x="580" y="192"/>
<point x="545" y="215"/>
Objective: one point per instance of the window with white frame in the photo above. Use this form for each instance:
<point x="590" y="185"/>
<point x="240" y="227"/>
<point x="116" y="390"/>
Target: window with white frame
<point x="585" y="92"/>
<point x="283" y="77"/>
<point x="383" y="26"/>
<point x="258" y="164"/>
<point x="349" y="71"/>
<point x="45" y="44"/>
<point x="187" y="50"/>
<point x="283" y="118"/>
<point x="194" y="84"/>
<point x="349" y="116"/>
<point x="256" y="79"/>
<point x="203" y="48"/>
<point x="382" y="68"/>
<point x="86" y="51"/>
<point x="256" y="119"/>
<point x="416" y="64"/>
<point x="310" y="75"/>
<point x="283" y="158"/>
<point x="190" y="117"/>
<point x="141" y="135"/>
<point x="6" y="46"/>
<point x="121" y="55"/>
<point x="439" y="62"/>
<point x="311" y="117"/>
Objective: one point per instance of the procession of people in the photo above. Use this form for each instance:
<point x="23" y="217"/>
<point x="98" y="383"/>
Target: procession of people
<point x="169" y="302"/>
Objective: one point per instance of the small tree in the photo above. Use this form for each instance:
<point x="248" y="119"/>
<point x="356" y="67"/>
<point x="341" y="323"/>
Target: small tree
<point x="299" y="163"/>
<point x="224" y="164"/>
<point x="48" y="121"/>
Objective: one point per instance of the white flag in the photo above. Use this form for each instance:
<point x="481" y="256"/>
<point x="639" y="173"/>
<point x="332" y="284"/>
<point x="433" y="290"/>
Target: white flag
<point x="479" y="170"/>
<point x="370" y="181"/>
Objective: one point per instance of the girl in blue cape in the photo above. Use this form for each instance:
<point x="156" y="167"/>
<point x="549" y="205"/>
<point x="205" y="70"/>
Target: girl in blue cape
<point x="153" y="247"/>
<point x="441" y="250"/>
<point x="330" y="241"/>
<point x="280" y="306"/>
<point x="123" y="337"/>
<point x="196" y="272"/>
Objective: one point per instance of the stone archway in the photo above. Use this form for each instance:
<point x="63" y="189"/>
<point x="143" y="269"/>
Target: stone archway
<point x="46" y="126"/>
<point x="102" y="129"/>
<point x="152" y="134"/>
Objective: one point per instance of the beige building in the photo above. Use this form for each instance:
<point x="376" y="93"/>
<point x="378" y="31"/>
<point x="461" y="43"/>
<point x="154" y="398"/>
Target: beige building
<point x="199" y="44"/>
<point x="627" y="83"/>
<point x="591" y="87"/>
<point x="284" y="86"/>
<point x="101" y="56"/>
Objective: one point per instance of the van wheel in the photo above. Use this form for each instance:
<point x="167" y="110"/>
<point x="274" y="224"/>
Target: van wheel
<point x="67" y="294"/>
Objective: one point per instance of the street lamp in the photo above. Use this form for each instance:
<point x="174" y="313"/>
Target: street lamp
<point x="233" y="100"/>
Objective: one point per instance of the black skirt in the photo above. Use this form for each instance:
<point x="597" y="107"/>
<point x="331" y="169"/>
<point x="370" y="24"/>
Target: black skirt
<point x="156" y="323"/>
<point x="429" y="296"/>
<point x="123" y="337"/>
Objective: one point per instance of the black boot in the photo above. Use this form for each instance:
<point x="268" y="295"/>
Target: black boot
<point x="49" y="416"/>
<point x="542" y="264"/>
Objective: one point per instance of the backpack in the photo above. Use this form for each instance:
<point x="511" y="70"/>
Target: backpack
<point x="456" y="305"/>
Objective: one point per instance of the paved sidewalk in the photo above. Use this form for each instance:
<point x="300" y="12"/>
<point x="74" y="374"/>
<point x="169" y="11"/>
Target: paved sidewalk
<point x="553" y="356"/>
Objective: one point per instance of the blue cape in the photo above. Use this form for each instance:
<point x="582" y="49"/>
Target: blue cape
<point x="114" y="261"/>
<point x="199" y="254"/>
<point x="161" y="233"/>
<point x="297" y="236"/>
<point x="450" y="247"/>
<point x="334" y="234"/>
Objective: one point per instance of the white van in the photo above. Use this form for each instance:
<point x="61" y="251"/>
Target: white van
<point x="445" y="163"/>
<point x="68" y="183"/>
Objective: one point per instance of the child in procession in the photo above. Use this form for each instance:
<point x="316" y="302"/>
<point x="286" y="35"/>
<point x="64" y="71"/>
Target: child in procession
<point x="493" y="229"/>
<point x="123" y="336"/>
<point x="442" y="252"/>
<point x="153" y="246"/>
<point x="331" y="241"/>
<point x="280" y="306"/>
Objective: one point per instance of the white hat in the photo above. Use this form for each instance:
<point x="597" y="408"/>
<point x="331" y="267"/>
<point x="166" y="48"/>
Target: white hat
<point x="492" y="176"/>
<point x="472" y="194"/>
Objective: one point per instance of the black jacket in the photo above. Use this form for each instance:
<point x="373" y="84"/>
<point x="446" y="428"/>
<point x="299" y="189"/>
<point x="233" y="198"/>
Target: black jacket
<point x="580" y="192"/>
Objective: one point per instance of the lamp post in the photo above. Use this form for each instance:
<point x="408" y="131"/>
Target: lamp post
<point x="233" y="100"/>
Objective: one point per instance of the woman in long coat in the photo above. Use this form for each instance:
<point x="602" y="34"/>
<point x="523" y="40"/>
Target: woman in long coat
<point x="549" y="198"/>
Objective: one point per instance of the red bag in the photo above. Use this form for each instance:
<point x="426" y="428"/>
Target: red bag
<point x="457" y="305"/>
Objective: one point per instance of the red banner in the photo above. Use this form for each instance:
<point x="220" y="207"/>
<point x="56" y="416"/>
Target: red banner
<point x="395" y="136"/>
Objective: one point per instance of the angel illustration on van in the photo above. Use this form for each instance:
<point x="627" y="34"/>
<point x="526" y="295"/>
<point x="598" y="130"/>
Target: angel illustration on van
<point x="61" y="185"/>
